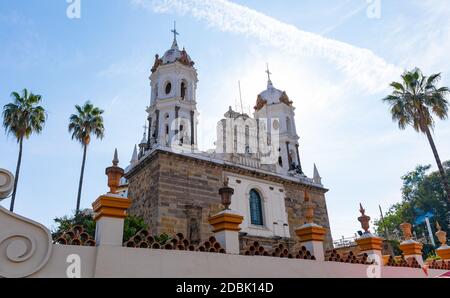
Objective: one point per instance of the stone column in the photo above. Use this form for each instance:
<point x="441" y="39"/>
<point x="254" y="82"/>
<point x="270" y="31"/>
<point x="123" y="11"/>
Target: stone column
<point x="298" y="158"/>
<point x="369" y="243"/>
<point x="149" y="132"/>
<point x="288" y="156"/>
<point x="410" y="247"/>
<point x="192" y="129"/>
<point x="177" y="127"/>
<point x="444" y="250"/>
<point x="110" y="210"/>
<point x="310" y="234"/>
<point x="226" y="223"/>
<point x="156" y="126"/>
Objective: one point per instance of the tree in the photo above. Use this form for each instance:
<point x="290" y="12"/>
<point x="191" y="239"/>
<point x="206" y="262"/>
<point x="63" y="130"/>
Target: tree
<point x="23" y="117"/>
<point x="87" y="121"/>
<point x="422" y="191"/>
<point x="85" y="218"/>
<point x="414" y="101"/>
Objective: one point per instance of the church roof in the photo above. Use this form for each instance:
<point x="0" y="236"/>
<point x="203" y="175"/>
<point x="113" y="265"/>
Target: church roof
<point x="234" y="115"/>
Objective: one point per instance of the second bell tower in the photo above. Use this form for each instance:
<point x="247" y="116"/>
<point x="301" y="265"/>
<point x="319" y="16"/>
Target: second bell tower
<point x="172" y="113"/>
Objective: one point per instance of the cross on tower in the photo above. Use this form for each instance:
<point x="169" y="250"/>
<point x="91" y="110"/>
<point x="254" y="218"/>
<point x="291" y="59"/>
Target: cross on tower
<point x="145" y="129"/>
<point x="174" y="31"/>
<point x="268" y="72"/>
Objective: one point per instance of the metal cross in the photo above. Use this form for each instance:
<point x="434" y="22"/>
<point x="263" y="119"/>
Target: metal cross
<point x="145" y="128"/>
<point x="268" y="71"/>
<point x="174" y="31"/>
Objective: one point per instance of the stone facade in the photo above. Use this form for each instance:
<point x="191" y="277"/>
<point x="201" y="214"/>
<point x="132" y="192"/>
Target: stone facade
<point x="177" y="193"/>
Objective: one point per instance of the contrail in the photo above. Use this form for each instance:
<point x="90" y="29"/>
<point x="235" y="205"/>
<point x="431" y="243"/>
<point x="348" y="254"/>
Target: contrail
<point x="361" y="65"/>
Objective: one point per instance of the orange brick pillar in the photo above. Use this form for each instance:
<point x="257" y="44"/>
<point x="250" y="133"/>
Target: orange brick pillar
<point x="226" y="230"/>
<point x="444" y="250"/>
<point x="410" y="247"/>
<point x="226" y="223"/>
<point x="369" y="243"/>
<point x="310" y="234"/>
<point x="110" y="210"/>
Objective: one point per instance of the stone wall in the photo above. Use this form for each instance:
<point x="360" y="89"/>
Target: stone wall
<point x="144" y="189"/>
<point x="176" y="193"/>
<point x="294" y="202"/>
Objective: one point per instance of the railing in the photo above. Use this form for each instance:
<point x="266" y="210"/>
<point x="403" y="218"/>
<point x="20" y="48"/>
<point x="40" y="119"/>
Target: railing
<point x="344" y="242"/>
<point x="245" y="160"/>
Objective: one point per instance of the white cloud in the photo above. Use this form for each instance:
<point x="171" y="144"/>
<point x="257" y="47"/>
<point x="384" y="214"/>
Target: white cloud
<point x="361" y="65"/>
<point x="424" y="42"/>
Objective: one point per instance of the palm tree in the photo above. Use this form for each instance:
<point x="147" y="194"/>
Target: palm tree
<point x="414" y="101"/>
<point x="22" y="118"/>
<point x="88" y="120"/>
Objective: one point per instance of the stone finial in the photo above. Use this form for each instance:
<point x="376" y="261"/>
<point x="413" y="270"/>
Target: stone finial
<point x="134" y="158"/>
<point x="364" y="219"/>
<point x="441" y="235"/>
<point x="308" y="209"/>
<point x="406" y="230"/>
<point x="226" y="193"/>
<point x="115" y="161"/>
<point x="114" y="174"/>
<point x="316" y="176"/>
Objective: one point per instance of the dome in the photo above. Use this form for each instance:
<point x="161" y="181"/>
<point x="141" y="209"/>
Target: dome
<point x="173" y="55"/>
<point x="271" y="96"/>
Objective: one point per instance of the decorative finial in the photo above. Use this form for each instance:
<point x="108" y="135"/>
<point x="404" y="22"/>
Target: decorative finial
<point x="406" y="229"/>
<point x="269" y="81"/>
<point x="134" y="157"/>
<point x="116" y="158"/>
<point x="361" y="209"/>
<point x="441" y="235"/>
<point x="316" y="177"/>
<point x="226" y="192"/>
<point x="308" y="209"/>
<point x="114" y="174"/>
<point x="364" y="219"/>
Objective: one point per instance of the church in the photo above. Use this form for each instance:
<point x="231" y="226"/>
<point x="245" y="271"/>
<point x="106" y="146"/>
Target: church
<point x="173" y="185"/>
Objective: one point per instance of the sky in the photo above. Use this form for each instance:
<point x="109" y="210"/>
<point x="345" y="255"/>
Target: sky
<point x="334" y="60"/>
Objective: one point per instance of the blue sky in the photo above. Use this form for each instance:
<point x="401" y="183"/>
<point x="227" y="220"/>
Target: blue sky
<point x="333" y="60"/>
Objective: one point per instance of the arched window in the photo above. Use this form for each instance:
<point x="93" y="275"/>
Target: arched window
<point x="256" y="212"/>
<point x="168" y="88"/>
<point x="183" y="90"/>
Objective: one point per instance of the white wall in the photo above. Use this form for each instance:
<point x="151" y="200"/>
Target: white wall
<point x="274" y="209"/>
<point x="113" y="262"/>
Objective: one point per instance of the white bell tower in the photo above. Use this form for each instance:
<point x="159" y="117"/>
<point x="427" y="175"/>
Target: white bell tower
<point x="275" y="106"/>
<point x="173" y="96"/>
